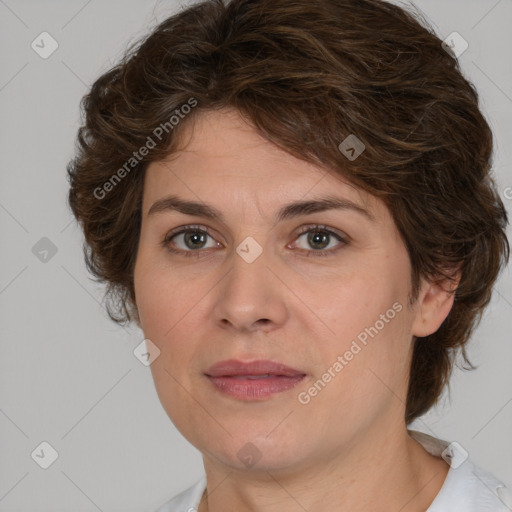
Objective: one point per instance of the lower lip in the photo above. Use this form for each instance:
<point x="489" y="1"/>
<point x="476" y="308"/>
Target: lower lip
<point x="254" y="389"/>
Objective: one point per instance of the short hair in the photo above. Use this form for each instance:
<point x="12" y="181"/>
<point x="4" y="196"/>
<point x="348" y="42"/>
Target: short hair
<point x="307" y="75"/>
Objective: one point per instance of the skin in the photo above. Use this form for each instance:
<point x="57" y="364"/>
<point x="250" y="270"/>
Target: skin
<point x="348" y="448"/>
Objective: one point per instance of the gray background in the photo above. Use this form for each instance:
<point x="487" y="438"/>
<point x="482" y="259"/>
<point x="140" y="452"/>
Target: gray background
<point x="68" y="374"/>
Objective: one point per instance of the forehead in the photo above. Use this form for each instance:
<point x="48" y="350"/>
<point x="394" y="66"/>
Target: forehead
<point x="221" y="154"/>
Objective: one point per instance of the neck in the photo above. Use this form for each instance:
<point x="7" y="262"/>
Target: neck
<point x="382" y="472"/>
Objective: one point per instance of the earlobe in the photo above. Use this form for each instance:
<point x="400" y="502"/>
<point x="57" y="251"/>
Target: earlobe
<point x="434" y="304"/>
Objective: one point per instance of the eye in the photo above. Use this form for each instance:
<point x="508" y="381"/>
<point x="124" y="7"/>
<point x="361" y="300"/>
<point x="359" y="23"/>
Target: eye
<point x="319" y="238"/>
<point x="190" y="240"/>
<point x="187" y="240"/>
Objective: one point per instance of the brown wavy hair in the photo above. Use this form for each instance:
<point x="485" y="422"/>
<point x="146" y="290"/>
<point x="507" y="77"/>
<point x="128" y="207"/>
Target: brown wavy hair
<point x="307" y="74"/>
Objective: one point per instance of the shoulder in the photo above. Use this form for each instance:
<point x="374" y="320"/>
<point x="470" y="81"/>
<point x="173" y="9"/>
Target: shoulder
<point x="187" y="500"/>
<point x="472" y="489"/>
<point x="467" y="486"/>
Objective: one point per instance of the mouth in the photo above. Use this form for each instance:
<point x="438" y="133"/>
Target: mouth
<point x="255" y="380"/>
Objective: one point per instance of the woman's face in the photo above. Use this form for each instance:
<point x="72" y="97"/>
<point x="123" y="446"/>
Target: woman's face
<point x="330" y="302"/>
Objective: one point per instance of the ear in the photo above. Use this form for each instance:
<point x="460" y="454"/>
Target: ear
<point x="434" y="303"/>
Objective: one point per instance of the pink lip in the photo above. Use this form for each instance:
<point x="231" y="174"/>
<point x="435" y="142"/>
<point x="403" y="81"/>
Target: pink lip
<point x="233" y="378"/>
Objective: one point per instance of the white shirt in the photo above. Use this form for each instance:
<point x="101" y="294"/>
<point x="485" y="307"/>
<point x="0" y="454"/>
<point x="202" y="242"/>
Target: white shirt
<point x="467" y="488"/>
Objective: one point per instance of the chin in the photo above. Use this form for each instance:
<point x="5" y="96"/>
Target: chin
<point x="258" y="452"/>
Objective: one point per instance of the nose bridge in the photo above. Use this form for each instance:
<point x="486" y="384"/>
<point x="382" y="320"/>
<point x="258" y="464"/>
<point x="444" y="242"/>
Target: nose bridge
<point x="249" y="291"/>
<point x="249" y="273"/>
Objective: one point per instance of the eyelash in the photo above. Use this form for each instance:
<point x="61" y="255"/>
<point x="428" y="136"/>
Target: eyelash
<point x="197" y="253"/>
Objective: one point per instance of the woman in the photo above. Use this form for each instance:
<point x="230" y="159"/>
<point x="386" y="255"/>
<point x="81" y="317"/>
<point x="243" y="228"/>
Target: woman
<point x="293" y="201"/>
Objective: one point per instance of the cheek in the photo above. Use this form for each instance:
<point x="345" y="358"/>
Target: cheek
<point x="369" y="326"/>
<point x="350" y="303"/>
<point x="159" y="299"/>
<point x="170" y="310"/>
<point x="166" y="315"/>
<point x="365" y="380"/>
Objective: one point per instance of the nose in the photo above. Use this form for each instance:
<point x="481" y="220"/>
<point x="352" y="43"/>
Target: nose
<point x="251" y="296"/>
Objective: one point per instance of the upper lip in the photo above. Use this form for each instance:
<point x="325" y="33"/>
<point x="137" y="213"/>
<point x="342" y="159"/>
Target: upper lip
<point x="233" y="367"/>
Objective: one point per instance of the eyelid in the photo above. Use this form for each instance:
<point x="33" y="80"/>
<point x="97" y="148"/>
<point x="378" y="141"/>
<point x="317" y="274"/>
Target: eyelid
<point x="323" y="227"/>
<point x="188" y="227"/>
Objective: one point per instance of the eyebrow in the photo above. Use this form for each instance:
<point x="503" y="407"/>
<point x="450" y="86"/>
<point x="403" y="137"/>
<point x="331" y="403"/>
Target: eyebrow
<point x="286" y="212"/>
